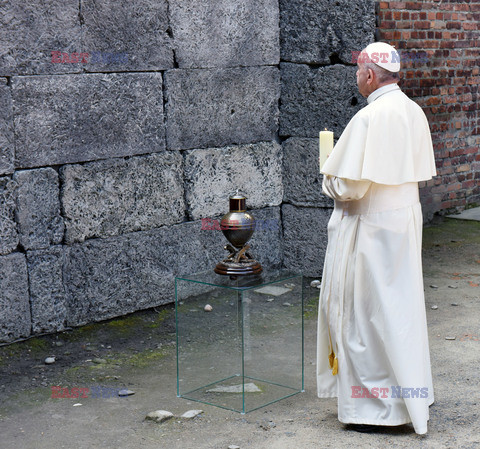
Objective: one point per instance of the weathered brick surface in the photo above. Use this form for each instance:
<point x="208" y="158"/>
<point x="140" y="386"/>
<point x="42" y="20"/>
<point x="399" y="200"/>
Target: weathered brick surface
<point x="212" y="175"/>
<point x="30" y="30"/>
<point x="47" y="294"/>
<point x="438" y="42"/>
<point x="317" y="98"/>
<point x="219" y="107"/>
<point x="125" y="36"/>
<point x="15" y="316"/>
<point x="246" y="33"/>
<point x="321" y="32"/>
<point x="117" y="196"/>
<point x="305" y="238"/>
<point x="302" y="181"/>
<point x="6" y="129"/>
<point x="8" y="227"/>
<point x="38" y="208"/>
<point x="73" y="118"/>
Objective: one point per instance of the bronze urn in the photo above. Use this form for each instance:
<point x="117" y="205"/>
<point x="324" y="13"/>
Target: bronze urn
<point x="238" y="226"/>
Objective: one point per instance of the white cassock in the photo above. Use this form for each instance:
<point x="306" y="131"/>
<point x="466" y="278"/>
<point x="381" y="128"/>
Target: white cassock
<point x="372" y="306"/>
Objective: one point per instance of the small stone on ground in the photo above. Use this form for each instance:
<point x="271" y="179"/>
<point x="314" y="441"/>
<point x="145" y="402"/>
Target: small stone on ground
<point x="125" y="392"/>
<point x="191" y="414"/>
<point x="159" y="415"/>
<point x="273" y="290"/>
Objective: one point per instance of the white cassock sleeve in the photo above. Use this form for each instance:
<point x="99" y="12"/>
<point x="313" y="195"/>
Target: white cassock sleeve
<point x="341" y="189"/>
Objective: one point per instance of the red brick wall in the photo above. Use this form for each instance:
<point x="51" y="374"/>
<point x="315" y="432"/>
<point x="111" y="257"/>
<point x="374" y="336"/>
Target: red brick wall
<point x="445" y="82"/>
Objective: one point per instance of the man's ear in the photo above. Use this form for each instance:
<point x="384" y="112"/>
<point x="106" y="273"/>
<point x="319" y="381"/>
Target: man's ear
<point x="371" y="76"/>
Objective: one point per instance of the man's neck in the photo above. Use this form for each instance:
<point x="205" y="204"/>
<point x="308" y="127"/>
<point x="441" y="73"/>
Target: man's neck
<point x="386" y="87"/>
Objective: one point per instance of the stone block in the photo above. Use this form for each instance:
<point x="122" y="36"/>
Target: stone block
<point x="73" y="118"/>
<point x="6" y="128"/>
<point x="267" y="240"/>
<point x="225" y="33"/>
<point x="212" y="175"/>
<point x="219" y="107"/>
<point x="322" y="32"/>
<point x="8" y="227"/>
<point x="117" y="196"/>
<point x="30" y="31"/>
<point x="38" y="208"/>
<point x="305" y="238"/>
<point x="47" y="294"/>
<point x="317" y="98"/>
<point x="302" y="181"/>
<point x="109" y="277"/>
<point x="15" y="317"/>
<point x="126" y="36"/>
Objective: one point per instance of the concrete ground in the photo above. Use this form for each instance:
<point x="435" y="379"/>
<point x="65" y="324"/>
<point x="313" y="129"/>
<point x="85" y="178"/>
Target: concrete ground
<point x="138" y="353"/>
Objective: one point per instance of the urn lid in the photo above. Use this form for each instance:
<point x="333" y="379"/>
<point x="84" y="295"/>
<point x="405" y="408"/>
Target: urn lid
<point x="238" y="202"/>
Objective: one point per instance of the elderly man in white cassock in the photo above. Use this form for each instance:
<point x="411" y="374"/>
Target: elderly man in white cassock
<point x="372" y="348"/>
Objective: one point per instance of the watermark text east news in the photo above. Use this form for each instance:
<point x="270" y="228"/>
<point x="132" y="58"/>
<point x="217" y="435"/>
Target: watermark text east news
<point x="95" y="57"/>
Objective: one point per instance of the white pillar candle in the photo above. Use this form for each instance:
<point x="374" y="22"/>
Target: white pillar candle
<point x="326" y="145"/>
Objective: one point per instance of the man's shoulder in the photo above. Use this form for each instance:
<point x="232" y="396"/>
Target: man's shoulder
<point x="394" y="101"/>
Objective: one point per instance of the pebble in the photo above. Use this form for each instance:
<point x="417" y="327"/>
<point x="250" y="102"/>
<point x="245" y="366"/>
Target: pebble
<point x="286" y="304"/>
<point x="125" y="392"/>
<point x="49" y="360"/>
<point x="233" y="446"/>
<point x="99" y="361"/>
<point x="59" y="343"/>
<point x="191" y="414"/>
<point x="452" y="286"/>
<point x="208" y="308"/>
<point x="270" y="299"/>
<point x="454" y="304"/>
<point x="434" y="307"/>
<point x="433" y="286"/>
<point x="159" y="415"/>
<point x="450" y="338"/>
<point x="77" y="404"/>
<point x="315" y="283"/>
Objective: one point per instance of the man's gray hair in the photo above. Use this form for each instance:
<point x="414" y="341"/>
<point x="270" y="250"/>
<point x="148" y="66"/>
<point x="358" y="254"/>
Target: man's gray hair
<point x="382" y="74"/>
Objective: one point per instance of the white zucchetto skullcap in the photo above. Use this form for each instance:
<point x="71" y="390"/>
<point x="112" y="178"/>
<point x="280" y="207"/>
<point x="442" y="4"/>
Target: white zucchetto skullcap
<point x="383" y="55"/>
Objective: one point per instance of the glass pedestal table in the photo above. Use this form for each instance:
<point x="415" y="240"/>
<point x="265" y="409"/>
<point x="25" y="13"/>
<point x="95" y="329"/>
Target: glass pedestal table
<point x="239" y="340"/>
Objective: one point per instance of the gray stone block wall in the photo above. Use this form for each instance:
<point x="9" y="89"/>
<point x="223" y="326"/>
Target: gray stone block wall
<point x="212" y="175"/>
<point x="219" y="107"/>
<point x="40" y="223"/>
<point x="15" y="320"/>
<point x="75" y="118"/>
<point x="30" y="31"/>
<point x="6" y="129"/>
<point x="225" y="33"/>
<point x="8" y="227"/>
<point x="317" y="98"/>
<point x="302" y="180"/>
<point x="305" y="238"/>
<point x="133" y="36"/>
<point x="323" y="32"/>
<point x="118" y="196"/>
<point x="142" y="121"/>
<point x="47" y="292"/>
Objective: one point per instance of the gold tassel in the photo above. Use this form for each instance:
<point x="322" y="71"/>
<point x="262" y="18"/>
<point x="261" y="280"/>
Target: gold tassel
<point x="331" y="357"/>
<point x="335" y="367"/>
